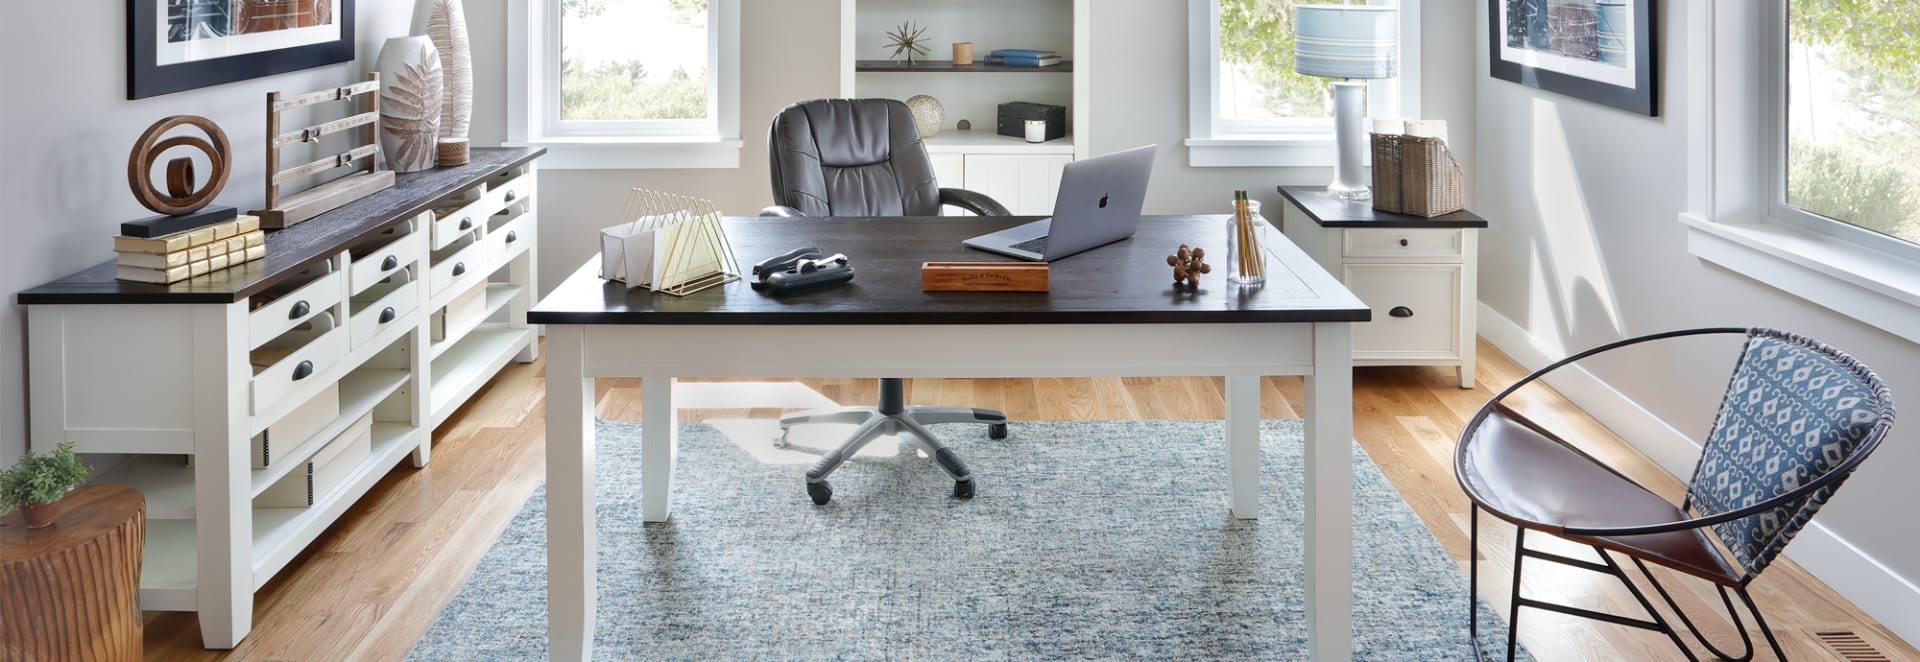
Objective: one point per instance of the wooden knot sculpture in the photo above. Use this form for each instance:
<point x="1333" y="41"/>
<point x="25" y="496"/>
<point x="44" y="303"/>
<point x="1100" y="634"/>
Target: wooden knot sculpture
<point x="1188" y="264"/>
<point x="181" y="197"/>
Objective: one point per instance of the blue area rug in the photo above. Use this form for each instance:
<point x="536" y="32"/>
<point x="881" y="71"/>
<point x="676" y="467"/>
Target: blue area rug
<point x="1088" y="540"/>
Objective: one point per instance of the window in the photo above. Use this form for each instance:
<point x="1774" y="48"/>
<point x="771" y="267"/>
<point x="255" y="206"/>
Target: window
<point x="1247" y="105"/>
<point x="1850" y="123"/>
<point x="628" y="83"/>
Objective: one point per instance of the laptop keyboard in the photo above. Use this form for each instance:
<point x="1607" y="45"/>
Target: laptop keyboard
<point x="1035" y="245"/>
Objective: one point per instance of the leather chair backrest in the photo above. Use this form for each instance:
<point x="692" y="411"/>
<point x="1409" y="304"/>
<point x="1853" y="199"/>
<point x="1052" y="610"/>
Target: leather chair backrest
<point x="851" y="157"/>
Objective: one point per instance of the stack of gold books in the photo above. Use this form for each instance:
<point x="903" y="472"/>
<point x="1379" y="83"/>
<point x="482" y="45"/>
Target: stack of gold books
<point x="190" y="253"/>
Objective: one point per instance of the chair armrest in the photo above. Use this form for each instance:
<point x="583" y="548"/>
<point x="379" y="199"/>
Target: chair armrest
<point x="781" y="211"/>
<point x="977" y="203"/>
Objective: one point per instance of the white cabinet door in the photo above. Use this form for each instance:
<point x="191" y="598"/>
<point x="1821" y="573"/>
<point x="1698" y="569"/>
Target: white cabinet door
<point x="951" y="171"/>
<point x="1025" y="183"/>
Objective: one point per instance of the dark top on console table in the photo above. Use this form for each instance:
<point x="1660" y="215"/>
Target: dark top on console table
<point x="294" y="248"/>
<point x="1333" y="212"/>
<point x="1125" y="282"/>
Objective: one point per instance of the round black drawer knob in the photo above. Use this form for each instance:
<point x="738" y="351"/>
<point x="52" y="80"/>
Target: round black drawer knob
<point x="389" y="263"/>
<point x="511" y="236"/>
<point x="1403" y="242"/>
<point x="303" y="371"/>
<point x="466" y="223"/>
<point x="299" y="310"/>
<point x="386" y="315"/>
<point x="1401" y="311"/>
<point x="459" y="268"/>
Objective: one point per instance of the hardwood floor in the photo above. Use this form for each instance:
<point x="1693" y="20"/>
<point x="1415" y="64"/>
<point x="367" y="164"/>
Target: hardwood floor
<point x="373" y="583"/>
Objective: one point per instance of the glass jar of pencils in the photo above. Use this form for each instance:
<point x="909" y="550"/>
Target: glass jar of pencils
<point x="1246" y="261"/>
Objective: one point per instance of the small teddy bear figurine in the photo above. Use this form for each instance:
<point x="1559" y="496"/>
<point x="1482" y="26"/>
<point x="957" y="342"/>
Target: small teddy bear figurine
<point x="1188" y="264"/>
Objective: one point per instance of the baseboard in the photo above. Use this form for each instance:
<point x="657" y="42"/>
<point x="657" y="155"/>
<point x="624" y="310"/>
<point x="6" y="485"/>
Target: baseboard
<point x="1875" y="588"/>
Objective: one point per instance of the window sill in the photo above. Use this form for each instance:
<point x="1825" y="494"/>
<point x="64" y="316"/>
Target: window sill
<point x="1853" y="280"/>
<point x="628" y="153"/>
<point x="1262" y="151"/>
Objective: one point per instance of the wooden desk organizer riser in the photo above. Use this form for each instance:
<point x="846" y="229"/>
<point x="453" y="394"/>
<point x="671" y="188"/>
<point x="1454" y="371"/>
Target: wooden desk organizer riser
<point x="983" y="277"/>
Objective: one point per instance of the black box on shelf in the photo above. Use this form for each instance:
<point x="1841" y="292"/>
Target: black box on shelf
<point x="1014" y="116"/>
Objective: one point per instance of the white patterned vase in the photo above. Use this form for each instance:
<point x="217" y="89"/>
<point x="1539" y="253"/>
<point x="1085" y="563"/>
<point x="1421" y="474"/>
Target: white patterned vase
<point x="928" y="114"/>
<point x="410" y="98"/>
<point x="445" y="22"/>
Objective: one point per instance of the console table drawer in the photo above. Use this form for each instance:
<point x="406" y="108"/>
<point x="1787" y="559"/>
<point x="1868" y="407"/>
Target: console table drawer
<point x="294" y="308"/>
<point x="459" y="221"/>
<point x="509" y="235"/>
<point x="510" y="188"/>
<point x="455" y="263"/>
<point x="384" y="261"/>
<point x="306" y="362"/>
<point x="382" y="306"/>
<point x="1390" y="243"/>
<point x="1416" y="310"/>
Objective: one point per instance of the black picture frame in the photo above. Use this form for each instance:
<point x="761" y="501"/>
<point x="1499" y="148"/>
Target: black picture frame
<point x="1642" y="97"/>
<point x="146" y="78"/>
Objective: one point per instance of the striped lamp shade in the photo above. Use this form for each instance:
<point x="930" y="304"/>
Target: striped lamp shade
<point x="1346" y="41"/>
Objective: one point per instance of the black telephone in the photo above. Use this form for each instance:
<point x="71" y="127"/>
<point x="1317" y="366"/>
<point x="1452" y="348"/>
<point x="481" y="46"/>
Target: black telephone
<point x="800" y="269"/>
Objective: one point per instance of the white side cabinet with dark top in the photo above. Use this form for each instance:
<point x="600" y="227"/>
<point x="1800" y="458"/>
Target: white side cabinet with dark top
<point x="1418" y="274"/>
<point x="253" y="406"/>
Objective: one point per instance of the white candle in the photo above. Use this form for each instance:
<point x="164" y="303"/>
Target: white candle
<point x="1036" y="131"/>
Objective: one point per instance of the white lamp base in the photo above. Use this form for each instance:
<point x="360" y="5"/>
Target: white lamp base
<point x="1350" y="172"/>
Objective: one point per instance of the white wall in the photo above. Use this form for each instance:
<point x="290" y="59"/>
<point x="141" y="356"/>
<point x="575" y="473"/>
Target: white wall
<point x="1585" y="248"/>
<point x="65" y="130"/>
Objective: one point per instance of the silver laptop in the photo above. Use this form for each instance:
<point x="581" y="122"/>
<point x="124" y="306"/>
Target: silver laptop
<point x="1099" y="203"/>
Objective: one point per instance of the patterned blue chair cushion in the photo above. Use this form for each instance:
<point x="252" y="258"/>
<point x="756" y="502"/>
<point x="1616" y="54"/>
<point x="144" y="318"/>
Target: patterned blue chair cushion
<point x="1790" y="414"/>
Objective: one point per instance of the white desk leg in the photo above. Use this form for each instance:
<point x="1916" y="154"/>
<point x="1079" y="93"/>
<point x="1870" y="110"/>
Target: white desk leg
<point x="659" y="447"/>
<point x="1243" y="445"/>
<point x="572" y="541"/>
<point x="1329" y="498"/>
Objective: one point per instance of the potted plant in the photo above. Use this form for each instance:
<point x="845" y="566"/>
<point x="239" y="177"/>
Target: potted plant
<point x="38" y="481"/>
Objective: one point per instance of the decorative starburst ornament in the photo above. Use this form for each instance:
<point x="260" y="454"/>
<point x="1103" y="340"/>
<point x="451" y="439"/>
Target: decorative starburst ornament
<point x="906" y="40"/>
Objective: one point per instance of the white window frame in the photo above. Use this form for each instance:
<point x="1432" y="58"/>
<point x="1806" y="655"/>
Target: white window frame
<point x="533" y="102"/>
<point x="1737" y="213"/>
<point x="1216" y="141"/>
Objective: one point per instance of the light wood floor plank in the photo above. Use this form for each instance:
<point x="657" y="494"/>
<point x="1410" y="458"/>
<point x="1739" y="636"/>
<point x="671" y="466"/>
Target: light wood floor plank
<point x="372" y="584"/>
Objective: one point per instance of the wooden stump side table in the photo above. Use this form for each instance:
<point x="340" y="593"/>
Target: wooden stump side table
<point x="71" y="591"/>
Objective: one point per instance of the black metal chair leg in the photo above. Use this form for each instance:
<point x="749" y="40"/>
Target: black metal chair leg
<point x="1647" y="605"/>
<point x="1745" y="639"/>
<point x="1759" y="620"/>
<point x="1473" y="578"/>
<point x="1513" y="617"/>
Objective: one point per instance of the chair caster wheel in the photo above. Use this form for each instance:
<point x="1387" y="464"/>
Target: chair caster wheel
<point x="781" y="441"/>
<point x="997" y="431"/>
<point x="822" y="492"/>
<point x="963" y="489"/>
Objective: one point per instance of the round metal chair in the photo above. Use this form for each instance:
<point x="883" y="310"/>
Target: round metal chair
<point x="1797" y="418"/>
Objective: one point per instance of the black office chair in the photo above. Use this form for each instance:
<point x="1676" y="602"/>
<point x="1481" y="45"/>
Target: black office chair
<point x="864" y="157"/>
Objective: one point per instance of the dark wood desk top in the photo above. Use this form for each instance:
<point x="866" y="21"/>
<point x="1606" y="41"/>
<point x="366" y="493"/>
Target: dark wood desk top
<point x="1127" y="282"/>
<point x="1333" y="212"/>
<point x="291" y="249"/>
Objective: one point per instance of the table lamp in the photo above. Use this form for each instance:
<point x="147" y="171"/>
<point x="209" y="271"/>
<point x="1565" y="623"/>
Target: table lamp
<point x="1347" y="42"/>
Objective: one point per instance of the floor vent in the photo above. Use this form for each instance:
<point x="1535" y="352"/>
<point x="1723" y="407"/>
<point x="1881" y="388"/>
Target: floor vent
<point x="1849" y="646"/>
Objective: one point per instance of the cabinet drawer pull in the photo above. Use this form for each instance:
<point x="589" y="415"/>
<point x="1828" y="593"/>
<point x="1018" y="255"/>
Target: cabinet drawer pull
<point x="389" y="263"/>
<point x="459" y="268"/>
<point x="1401" y="311"/>
<point x="510" y="197"/>
<point x="466" y="223"/>
<point x="303" y="371"/>
<point x="299" y="310"/>
<point x="386" y="315"/>
<point x="511" y="236"/>
<point x="1403" y="242"/>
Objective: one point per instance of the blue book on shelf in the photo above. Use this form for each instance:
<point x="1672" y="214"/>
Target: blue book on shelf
<point x="1023" y="61"/>
<point x="1023" y="52"/>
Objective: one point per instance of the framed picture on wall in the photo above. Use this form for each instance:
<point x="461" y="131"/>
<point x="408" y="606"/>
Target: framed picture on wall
<point x="175" y="45"/>
<point x="1597" y="50"/>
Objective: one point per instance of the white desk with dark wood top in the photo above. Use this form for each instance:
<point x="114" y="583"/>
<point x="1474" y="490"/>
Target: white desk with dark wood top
<point x="1112" y="312"/>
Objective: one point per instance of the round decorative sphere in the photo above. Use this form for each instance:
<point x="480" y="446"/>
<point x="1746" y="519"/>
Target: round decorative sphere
<point x="928" y="114"/>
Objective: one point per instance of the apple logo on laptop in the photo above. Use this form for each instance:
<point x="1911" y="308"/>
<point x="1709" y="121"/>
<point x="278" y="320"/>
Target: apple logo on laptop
<point x="1103" y="202"/>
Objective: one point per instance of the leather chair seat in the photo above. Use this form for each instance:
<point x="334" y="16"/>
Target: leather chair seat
<point x="1524" y="474"/>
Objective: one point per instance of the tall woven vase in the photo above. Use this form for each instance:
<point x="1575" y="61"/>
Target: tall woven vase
<point x="445" y="22"/>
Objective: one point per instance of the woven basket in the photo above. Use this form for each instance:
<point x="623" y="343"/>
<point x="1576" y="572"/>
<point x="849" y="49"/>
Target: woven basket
<point x="1431" y="183"/>
<point x="1386" y="171"/>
